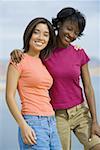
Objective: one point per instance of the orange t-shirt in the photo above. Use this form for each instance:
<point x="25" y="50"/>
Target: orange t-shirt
<point x="33" y="86"/>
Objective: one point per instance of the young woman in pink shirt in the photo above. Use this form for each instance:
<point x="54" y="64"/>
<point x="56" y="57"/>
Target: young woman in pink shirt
<point x="37" y="125"/>
<point x="68" y="64"/>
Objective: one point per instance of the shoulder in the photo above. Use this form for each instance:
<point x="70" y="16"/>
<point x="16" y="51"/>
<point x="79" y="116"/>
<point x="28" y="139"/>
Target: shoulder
<point x="81" y="53"/>
<point x="77" y="48"/>
<point x="19" y="66"/>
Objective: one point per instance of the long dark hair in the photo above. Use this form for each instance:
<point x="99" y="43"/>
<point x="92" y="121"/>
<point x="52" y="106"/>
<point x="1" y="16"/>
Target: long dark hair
<point x="70" y="14"/>
<point x="28" y="33"/>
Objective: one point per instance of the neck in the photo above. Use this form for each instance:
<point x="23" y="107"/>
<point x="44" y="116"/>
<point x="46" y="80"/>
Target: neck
<point x="33" y="53"/>
<point x="59" y="43"/>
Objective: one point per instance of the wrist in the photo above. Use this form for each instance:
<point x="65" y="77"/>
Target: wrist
<point x="22" y="124"/>
<point x="94" y="120"/>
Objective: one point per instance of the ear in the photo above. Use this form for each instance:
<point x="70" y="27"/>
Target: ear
<point x="59" y="24"/>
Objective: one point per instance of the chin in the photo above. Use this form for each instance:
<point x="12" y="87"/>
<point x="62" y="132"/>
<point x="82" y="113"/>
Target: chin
<point x="66" y="44"/>
<point x="39" y="49"/>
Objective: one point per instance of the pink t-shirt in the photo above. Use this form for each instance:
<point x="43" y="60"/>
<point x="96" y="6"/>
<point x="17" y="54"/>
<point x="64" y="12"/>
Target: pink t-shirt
<point x="33" y="86"/>
<point x="65" y="65"/>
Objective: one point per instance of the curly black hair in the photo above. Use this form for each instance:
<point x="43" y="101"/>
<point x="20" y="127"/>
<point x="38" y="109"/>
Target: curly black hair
<point x="71" y="14"/>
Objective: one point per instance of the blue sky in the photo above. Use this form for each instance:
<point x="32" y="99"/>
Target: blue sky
<point x="16" y="14"/>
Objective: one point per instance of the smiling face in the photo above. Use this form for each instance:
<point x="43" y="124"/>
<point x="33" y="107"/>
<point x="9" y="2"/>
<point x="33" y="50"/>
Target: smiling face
<point x="39" y="38"/>
<point x="68" y="32"/>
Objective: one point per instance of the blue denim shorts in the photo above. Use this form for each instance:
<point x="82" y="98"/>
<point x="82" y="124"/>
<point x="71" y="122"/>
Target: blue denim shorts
<point x="46" y="133"/>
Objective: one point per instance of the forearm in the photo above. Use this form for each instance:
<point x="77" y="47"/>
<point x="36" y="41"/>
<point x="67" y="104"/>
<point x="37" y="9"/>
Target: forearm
<point x="89" y="93"/>
<point x="15" y="111"/>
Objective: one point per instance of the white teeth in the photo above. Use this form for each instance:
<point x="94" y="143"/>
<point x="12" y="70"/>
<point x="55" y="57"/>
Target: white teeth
<point x="38" y="43"/>
<point x="66" y="38"/>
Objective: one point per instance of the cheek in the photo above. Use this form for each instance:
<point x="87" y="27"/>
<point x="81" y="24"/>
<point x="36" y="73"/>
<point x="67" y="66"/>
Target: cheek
<point x="61" y="34"/>
<point x="31" y="42"/>
<point x="47" y="40"/>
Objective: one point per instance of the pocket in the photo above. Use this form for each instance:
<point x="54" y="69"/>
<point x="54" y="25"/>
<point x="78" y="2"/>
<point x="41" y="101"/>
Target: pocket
<point x="53" y="121"/>
<point x="85" y="112"/>
<point x="32" y="120"/>
<point x="85" y="109"/>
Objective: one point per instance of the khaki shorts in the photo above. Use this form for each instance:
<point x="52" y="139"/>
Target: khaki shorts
<point x="78" y="120"/>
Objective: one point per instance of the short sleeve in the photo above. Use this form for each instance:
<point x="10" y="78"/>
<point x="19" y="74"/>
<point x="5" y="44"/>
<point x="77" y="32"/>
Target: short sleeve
<point x="84" y="57"/>
<point x="17" y="66"/>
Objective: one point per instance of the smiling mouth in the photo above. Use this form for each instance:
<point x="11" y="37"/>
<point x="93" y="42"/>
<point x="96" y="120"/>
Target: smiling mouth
<point x="38" y="43"/>
<point x="67" y="39"/>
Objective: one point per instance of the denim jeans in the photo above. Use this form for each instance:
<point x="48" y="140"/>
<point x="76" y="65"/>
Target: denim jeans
<point x="46" y="133"/>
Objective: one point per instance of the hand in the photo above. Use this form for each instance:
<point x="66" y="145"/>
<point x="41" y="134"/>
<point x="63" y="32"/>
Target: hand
<point x="95" y="130"/>
<point x="16" y="55"/>
<point x="28" y="135"/>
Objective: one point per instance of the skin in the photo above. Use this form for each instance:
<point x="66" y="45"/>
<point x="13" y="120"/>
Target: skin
<point x="38" y="41"/>
<point x="68" y="32"/>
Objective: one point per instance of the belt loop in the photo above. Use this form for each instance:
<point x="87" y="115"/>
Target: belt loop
<point x="77" y="108"/>
<point x="67" y="114"/>
<point x="38" y="117"/>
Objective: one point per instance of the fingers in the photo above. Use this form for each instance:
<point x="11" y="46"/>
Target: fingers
<point x="34" y="135"/>
<point x="95" y="132"/>
<point x="98" y="132"/>
<point x="30" y="139"/>
<point x="16" y="56"/>
<point x="21" y="54"/>
<point x="91" y="135"/>
<point x="12" y="56"/>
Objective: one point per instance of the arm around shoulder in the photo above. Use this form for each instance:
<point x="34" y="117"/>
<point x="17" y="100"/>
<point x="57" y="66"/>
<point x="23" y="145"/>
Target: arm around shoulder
<point x="16" y="55"/>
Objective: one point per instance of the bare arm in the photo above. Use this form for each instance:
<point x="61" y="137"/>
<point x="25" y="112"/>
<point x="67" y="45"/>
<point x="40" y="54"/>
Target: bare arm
<point x="11" y="86"/>
<point x="89" y="93"/>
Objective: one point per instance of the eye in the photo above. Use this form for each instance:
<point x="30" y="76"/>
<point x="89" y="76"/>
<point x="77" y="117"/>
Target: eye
<point x="46" y="35"/>
<point x="76" y="33"/>
<point x="36" y="31"/>
<point x="69" y="28"/>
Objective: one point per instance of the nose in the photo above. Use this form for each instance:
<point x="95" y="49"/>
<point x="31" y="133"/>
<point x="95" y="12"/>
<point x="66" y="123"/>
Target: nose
<point x="40" y="37"/>
<point x="72" y="35"/>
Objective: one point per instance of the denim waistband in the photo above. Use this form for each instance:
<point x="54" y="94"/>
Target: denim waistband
<point x="39" y="117"/>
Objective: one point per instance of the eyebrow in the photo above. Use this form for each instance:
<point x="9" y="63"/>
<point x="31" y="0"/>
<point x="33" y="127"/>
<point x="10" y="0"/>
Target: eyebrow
<point x="39" y="30"/>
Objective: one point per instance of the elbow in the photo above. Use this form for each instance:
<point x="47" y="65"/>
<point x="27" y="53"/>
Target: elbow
<point x="9" y="97"/>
